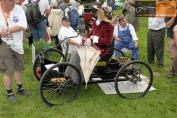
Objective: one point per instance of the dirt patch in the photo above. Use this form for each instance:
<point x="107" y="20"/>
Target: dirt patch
<point x="156" y="74"/>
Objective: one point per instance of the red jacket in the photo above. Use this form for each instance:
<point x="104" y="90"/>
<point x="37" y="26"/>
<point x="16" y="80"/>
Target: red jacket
<point x="105" y="33"/>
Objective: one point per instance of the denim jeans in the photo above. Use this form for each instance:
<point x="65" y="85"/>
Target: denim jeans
<point x="38" y="32"/>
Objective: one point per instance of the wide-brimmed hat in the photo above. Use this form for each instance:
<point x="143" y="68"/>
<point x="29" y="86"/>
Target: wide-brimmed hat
<point x="104" y="8"/>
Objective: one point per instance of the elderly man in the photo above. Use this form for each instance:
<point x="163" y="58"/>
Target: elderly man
<point x="125" y="37"/>
<point x="67" y="31"/>
<point x="13" y="22"/>
<point x="155" y="40"/>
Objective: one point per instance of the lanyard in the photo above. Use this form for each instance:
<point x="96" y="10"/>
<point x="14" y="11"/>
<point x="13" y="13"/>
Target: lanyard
<point x="6" y="16"/>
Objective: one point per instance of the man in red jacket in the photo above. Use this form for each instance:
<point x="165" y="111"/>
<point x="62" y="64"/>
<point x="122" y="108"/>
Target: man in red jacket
<point x="103" y="30"/>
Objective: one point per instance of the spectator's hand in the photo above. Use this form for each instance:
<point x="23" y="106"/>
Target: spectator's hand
<point x="87" y="42"/>
<point x="91" y="37"/>
<point x="117" y="38"/>
<point x="136" y="44"/>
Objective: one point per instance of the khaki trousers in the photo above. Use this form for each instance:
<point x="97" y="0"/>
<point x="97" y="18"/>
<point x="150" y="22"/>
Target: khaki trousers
<point x="173" y="54"/>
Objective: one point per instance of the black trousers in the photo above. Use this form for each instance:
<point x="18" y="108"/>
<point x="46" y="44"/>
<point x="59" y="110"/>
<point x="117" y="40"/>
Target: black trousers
<point x="155" y="45"/>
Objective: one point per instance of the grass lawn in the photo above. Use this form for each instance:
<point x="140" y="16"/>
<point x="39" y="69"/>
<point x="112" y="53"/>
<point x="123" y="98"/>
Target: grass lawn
<point x="92" y="103"/>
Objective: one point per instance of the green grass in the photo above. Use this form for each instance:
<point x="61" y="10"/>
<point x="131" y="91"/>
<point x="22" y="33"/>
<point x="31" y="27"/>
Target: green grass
<point x="92" y="103"/>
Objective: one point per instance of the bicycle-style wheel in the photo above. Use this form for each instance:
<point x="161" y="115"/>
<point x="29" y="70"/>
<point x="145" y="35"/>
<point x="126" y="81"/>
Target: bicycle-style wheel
<point x="133" y="80"/>
<point x="47" y="57"/>
<point x="60" y="84"/>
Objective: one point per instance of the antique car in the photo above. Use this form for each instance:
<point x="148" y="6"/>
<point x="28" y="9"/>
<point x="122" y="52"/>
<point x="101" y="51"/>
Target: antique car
<point x="57" y="87"/>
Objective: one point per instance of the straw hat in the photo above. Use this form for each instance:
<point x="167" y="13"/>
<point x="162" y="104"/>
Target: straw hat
<point x="104" y="11"/>
<point x="53" y="3"/>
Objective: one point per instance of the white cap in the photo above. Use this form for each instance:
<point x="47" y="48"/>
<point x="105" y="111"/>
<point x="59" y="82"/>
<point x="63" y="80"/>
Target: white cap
<point x="53" y="3"/>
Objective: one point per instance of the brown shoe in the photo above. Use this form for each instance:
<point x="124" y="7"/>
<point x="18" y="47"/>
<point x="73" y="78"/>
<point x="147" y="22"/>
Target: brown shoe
<point x="171" y="75"/>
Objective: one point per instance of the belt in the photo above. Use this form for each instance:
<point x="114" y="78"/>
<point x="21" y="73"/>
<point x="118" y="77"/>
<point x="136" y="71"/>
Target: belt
<point x="156" y="30"/>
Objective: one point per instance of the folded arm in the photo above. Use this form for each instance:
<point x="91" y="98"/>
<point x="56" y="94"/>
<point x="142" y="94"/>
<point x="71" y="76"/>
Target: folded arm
<point x="12" y="30"/>
<point x="170" y="22"/>
<point x="72" y="41"/>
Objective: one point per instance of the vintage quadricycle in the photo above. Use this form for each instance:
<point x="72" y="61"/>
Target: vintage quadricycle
<point x="58" y="87"/>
